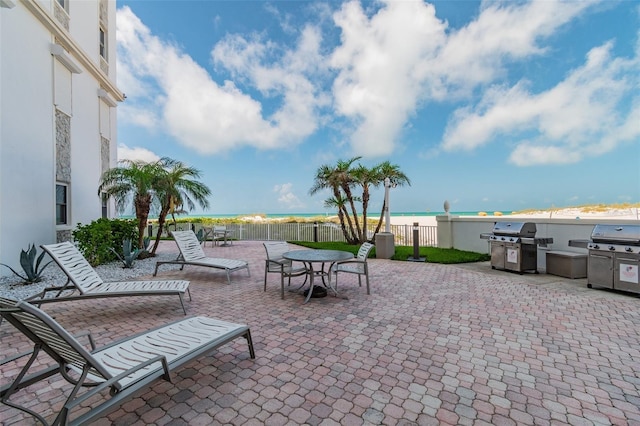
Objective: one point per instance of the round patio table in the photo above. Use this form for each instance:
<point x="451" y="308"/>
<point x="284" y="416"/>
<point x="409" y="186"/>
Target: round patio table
<point x="309" y="257"/>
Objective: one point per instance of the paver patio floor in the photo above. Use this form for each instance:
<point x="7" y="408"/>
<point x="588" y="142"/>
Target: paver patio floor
<point x="432" y="344"/>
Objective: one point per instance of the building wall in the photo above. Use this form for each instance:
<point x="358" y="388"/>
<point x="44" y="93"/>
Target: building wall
<point x="54" y="120"/>
<point x="463" y="233"/>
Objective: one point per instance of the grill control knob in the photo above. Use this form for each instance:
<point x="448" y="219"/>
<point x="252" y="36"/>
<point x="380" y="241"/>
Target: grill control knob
<point x="628" y="249"/>
<point x="612" y="248"/>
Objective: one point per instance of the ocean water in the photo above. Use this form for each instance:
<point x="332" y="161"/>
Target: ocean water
<point x="309" y="215"/>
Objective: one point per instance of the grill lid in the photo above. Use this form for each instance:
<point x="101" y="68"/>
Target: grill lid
<point x="515" y="229"/>
<point x="627" y="234"/>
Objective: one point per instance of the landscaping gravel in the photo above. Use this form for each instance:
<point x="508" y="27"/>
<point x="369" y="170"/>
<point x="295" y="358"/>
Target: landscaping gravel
<point x="12" y="287"/>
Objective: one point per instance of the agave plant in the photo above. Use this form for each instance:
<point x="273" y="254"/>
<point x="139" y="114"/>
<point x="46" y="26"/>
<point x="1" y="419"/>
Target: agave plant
<point x="30" y="265"/>
<point x="201" y="235"/>
<point x="128" y="256"/>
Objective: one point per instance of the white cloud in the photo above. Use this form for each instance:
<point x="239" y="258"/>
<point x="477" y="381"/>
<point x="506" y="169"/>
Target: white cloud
<point x="393" y="56"/>
<point x="401" y="56"/>
<point x="377" y="85"/>
<point x="503" y="32"/>
<point x="286" y="196"/>
<point x="584" y="115"/>
<point x="139" y="116"/>
<point x="136" y="154"/>
<point x="209" y="117"/>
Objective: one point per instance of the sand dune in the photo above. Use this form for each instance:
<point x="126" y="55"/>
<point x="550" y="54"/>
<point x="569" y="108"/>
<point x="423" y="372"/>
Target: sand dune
<point x="632" y="214"/>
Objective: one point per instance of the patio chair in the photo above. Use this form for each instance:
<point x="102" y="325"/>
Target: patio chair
<point x="123" y="367"/>
<point x="191" y="253"/>
<point x="275" y="263"/>
<point x="221" y="233"/>
<point x="81" y="277"/>
<point x="357" y="266"/>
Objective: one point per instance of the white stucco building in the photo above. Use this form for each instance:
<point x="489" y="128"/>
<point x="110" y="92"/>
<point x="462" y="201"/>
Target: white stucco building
<point x="58" y="103"/>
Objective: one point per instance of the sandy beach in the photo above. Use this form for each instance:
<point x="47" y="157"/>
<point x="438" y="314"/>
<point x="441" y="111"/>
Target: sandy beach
<point x="632" y="214"/>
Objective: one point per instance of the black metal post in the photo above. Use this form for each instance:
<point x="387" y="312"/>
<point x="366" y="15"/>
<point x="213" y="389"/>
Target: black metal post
<point x="315" y="232"/>
<point x="150" y="229"/>
<point x="416" y="244"/>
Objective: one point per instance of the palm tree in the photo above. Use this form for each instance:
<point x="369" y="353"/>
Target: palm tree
<point x="347" y="180"/>
<point x="133" y="181"/>
<point x="342" y="179"/>
<point x="339" y="181"/>
<point x="176" y="188"/>
<point x="365" y="177"/>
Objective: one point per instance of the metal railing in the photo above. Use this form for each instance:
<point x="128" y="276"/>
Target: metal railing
<point x="321" y="232"/>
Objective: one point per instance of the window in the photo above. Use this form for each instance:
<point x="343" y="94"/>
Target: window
<point x="62" y="204"/>
<point x="105" y="209"/>
<point x="63" y="4"/>
<point x="103" y="43"/>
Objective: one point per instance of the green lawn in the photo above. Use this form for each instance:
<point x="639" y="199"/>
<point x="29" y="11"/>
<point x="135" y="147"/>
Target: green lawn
<point x="432" y="254"/>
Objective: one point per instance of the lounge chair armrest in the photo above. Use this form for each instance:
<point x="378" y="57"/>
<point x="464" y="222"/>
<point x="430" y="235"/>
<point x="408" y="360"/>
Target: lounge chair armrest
<point x="108" y="383"/>
<point x="46" y="290"/>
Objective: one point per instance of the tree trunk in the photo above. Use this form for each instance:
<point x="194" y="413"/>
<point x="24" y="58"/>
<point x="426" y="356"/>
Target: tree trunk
<point x="357" y="233"/>
<point x="142" y="206"/>
<point x="162" y="218"/>
<point x="365" y="205"/>
<point x="349" y="233"/>
<point x="384" y="205"/>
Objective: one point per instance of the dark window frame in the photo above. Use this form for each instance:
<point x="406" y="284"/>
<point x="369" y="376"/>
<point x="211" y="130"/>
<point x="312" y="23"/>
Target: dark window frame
<point x="105" y="208"/>
<point x="62" y="204"/>
<point x="103" y="43"/>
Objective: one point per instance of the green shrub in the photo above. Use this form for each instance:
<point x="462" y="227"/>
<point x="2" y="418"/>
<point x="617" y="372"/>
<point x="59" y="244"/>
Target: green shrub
<point x="100" y="238"/>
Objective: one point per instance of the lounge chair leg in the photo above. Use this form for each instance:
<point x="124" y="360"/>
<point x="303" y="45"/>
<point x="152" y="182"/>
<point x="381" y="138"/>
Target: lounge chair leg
<point x="252" y="352"/>
<point x="61" y="418"/>
<point x="182" y="303"/>
<point x="15" y="386"/>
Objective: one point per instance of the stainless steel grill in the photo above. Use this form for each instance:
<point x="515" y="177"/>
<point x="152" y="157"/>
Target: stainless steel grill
<point x="514" y="246"/>
<point x="614" y="257"/>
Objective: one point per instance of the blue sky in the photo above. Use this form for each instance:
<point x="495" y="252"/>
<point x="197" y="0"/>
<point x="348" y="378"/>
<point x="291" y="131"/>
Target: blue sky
<point x="489" y="105"/>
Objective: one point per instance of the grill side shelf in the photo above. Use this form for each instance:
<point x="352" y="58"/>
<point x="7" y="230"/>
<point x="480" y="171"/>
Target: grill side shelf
<point x="579" y="243"/>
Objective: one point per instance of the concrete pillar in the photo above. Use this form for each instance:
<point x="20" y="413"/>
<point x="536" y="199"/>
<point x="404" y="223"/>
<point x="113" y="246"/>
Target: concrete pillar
<point x="445" y="231"/>
<point x="385" y="246"/>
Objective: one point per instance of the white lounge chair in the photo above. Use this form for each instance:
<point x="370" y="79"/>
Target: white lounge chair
<point x="123" y="367"/>
<point x="191" y="253"/>
<point x="86" y="281"/>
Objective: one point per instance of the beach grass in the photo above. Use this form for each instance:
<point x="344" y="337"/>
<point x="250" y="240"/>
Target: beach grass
<point x="587" y="208"/>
